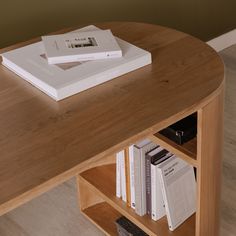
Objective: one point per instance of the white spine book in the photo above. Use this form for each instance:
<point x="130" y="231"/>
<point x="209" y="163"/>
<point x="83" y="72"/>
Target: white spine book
<point x="179" y="190"/>
<point x="140" y="150"/>
<point x="81" y="46"/>
<point x="137" y="181"/>
<point x="132" y="187"/>
<point x="123" y="176"/>
<point x="158" y="206"/>
<point x="157" y="201"/>
<point x="118" y="175"/>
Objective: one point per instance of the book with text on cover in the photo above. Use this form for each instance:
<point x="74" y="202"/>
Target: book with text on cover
<point x="178" y="186"/>
<point x="81" y="46"/>
<point x="64" y="80"/>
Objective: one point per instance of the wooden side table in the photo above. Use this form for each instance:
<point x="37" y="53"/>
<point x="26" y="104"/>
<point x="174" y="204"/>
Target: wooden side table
<point x="44" y="143"/>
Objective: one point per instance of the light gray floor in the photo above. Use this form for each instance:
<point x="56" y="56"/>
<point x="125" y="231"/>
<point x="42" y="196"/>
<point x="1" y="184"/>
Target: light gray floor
<point x="56" y="213"/>
<point x="228" y="203"/>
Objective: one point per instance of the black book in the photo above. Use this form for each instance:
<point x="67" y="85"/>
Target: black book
<point x="126" y="228"/>
<point x="153" y="155"/>
<point x="183" y="130"/>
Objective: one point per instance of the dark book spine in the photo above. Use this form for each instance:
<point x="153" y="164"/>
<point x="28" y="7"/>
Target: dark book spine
<point x="148" y="184"/>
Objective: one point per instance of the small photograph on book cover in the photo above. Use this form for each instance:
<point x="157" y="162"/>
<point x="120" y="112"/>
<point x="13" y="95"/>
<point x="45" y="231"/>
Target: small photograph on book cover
<point x="81" y="42"/>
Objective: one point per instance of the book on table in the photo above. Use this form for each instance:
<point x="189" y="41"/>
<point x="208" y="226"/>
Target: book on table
<point x="81" y="46"/>
<point x="63" y="80"/>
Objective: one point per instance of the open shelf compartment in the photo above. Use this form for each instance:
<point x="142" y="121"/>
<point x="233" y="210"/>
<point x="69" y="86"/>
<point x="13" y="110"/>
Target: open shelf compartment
<point x="187" y="151"/>
<point x="103" y="216"/>
<point x="102" y="182"/>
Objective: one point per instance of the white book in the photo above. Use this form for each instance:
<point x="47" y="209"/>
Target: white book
<point x="123" y="176"/>
<point x="118" y="175"/>
<point x="157" y="201"/>
<point x="179" y="190"/>
<point x="132" y="186"/>
<point x="63" y="80"/>
<point x="81" y="46"/>
<point x="140" y="149"/>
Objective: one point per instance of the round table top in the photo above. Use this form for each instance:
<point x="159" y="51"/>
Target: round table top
<point x="42" y="140"/>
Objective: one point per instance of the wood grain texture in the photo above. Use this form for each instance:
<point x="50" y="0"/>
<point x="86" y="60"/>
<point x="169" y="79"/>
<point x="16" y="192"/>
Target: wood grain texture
<point x="54" y="213"/>
<point x="33" y="218"/>
<point x="107" y="222"/>
<point x="209" y="144"/>
<point x="44" y="143"/>
<point x="104" y="186"/>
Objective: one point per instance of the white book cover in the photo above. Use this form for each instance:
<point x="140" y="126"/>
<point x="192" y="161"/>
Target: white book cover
<point x="123" y="176"/>
<point x="140" y="149"/>
<point x="179" y="190"/>
<point x="157" y="201"/>
<point x="81" y="46"/>
<point x="131" y="167"/>
<point x="63" y="80"/>
<point x="118" y="175"/>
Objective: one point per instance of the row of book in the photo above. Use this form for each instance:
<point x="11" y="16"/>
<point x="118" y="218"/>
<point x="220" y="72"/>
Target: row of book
<point x="156" y="182"/>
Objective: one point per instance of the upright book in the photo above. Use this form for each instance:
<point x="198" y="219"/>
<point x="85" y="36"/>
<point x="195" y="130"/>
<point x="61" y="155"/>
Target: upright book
<point x="140" y="150"/>
<point x="179" y="190"/>
<point x="131" y="171"/>
<point x="157" y="202"/>
<point x="63" y="80"/>
<point x="81" y="46"/>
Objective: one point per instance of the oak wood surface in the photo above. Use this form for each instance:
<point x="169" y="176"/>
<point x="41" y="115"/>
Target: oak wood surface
<point x="104" y="217"/>
<point x="44" y="143"/>
<point x="103" y="182"/>
<point x="209" y="144"/>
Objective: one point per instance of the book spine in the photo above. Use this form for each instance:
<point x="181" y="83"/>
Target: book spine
<point x="127" y="177"/>
<point x="123" y="177"/>
<point x="160" y="204"/>
<point x="131" y="165"/>
<point x="148" y="184"/>
<point x="118" y="175"/>
<point x="164" y="194"/>
<point x="84" y="57"/>
<point x="137" y="180"/>
<point x="153" y="193"/>
<point x="144" y="150"/>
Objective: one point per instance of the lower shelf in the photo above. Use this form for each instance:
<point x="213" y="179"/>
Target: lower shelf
<point x="101" y="181"/>
<point x="103" y="216"/>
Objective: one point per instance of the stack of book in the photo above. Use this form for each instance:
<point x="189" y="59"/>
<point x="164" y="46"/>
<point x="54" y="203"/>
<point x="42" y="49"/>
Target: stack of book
<point x="156" y="182"/>
<point x="63" y="65"/>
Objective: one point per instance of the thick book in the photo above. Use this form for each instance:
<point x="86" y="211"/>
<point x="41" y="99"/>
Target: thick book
<point x="179" y="190"/>
<point x="64" y="80"/>
<point x="140" y="150"/>
<point x="81" y="46"/>
<point x="157" y="201"/>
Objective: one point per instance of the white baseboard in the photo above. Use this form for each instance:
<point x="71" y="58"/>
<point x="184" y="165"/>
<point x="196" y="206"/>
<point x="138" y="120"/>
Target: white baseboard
<point x="223" y="41"/>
